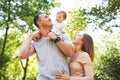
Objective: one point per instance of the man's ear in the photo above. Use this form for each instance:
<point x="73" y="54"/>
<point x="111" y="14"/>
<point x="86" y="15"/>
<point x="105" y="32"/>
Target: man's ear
<point x="39" y="23"/>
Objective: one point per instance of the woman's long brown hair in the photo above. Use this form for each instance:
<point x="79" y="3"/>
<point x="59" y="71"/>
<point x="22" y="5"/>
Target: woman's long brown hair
<point x="88" y="45"/>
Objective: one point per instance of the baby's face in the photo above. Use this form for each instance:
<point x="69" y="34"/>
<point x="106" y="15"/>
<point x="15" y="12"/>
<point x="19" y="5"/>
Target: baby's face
<point x="60" y="17"/>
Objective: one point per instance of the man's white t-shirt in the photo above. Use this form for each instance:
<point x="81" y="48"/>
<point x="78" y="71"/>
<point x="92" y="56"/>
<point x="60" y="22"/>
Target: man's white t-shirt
<point x="51" y="60"/>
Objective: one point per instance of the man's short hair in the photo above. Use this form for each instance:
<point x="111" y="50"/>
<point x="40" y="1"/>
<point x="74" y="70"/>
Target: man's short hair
<point x="36" y="19"/>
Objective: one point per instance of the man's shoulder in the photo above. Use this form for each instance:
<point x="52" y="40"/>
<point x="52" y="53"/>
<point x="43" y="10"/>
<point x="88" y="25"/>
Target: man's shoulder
<point x="40" y="41"/>
<point x="65" y="38"/>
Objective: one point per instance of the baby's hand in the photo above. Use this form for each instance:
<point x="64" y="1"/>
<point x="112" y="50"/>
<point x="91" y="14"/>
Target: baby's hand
<point x="37" y="37"/>
<point x="48" y="38"/>
<point x="51" y="36"/>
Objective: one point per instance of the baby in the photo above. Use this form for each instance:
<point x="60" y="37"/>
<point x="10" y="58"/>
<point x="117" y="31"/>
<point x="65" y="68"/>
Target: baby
<point x="58" y="25"/>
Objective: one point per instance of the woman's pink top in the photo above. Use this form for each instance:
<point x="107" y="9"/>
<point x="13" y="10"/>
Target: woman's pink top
<point x="81" y="67"/>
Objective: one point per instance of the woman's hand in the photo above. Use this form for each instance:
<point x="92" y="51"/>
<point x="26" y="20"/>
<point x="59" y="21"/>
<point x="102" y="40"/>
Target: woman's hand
<point x="62" y="76"/>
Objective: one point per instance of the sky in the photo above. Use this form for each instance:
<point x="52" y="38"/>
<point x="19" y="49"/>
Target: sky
<point x="75" y="4"/>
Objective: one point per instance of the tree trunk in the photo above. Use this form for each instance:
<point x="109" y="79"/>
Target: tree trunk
<point x="25" y="69"/>
<point x="4" y="44"/>
<point x="6" y="34"/>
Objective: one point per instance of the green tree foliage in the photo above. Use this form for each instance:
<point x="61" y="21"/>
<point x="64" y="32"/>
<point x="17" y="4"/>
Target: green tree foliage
<point x="16" y="19"/>
<point x="107" y="60"/>
<point x="76" y="23"/>
<point x="11" y="67"/>
<point x="108" y="66"/>
<point x="104" y="14"/>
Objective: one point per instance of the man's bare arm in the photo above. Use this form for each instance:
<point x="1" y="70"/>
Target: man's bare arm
<point x="27" y="50"/>
<point x="67" y="49"/>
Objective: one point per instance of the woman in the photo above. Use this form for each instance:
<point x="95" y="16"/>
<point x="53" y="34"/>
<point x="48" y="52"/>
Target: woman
<point x="81" y="63"/>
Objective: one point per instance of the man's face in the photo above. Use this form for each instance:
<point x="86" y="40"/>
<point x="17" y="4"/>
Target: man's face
<point x="45" y="21"/>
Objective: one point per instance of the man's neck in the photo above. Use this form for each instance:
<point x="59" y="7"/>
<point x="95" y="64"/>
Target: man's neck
<point x="45" y="32"/>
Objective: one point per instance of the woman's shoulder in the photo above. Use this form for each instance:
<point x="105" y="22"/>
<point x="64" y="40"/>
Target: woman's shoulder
<point x="84" y="54"/>
<point x="84" y="57"/>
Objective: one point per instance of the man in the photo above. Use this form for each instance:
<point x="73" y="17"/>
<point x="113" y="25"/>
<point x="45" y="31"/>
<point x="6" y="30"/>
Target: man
<point x="51" y="53"/>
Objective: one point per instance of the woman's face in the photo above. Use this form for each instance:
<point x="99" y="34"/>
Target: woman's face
<point x="78" y="39"/>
